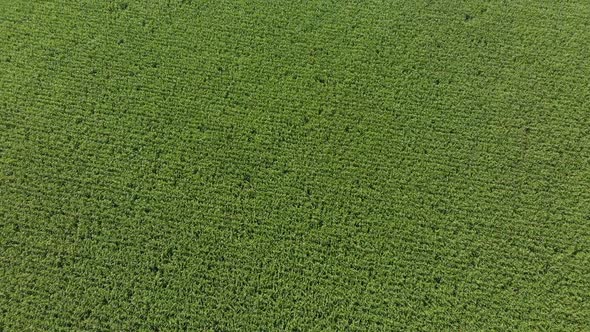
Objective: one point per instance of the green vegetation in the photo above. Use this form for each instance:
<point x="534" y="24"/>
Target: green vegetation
<point x="294" y="165"/>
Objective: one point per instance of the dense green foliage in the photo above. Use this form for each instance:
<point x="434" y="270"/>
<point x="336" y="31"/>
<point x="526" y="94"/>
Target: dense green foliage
<point x="295" y="165"/>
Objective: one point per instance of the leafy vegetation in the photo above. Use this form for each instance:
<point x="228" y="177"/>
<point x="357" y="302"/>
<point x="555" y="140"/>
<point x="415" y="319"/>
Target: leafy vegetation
<point x="294" y="165"/>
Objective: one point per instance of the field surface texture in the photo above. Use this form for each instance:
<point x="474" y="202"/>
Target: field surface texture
<point x="294" y="165"/>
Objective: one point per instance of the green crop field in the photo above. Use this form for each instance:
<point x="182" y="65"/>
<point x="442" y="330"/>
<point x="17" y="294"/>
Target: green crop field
<point x="263" y="165"/>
